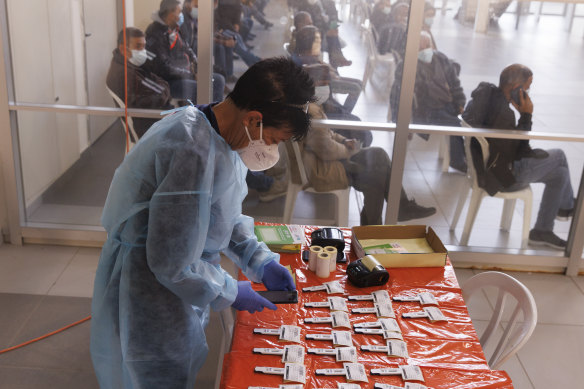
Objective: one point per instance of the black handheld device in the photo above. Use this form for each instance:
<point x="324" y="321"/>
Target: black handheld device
<point x="280" y="296"/>
<point x="367" y="271"/>
<point x="330" y="237"/>
<point x="515" y="94"/>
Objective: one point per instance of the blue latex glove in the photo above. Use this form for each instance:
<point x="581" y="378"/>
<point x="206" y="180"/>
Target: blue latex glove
<point x="248" y="300"/>
<point x="277" y="277"/>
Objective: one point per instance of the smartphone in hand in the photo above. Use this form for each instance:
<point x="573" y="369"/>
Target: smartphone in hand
<point x="515" y="94"/>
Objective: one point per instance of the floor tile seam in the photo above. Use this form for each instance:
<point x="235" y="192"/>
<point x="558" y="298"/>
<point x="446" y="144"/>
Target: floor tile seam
<point x="561" y="324"/>
<point x="63" y="271"/>
<point x="24" y="323"/>
<point x="573" y="279"/>
<point x="524" y="370"/>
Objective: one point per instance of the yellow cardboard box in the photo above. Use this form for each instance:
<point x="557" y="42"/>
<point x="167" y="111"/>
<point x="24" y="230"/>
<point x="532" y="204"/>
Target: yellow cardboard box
<point x="432" y="255"/>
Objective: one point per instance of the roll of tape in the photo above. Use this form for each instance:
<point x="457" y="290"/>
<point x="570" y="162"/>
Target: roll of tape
<point x="312" y="257"/>
<point x="333" y="253"/>
<point x="323" y="267"/>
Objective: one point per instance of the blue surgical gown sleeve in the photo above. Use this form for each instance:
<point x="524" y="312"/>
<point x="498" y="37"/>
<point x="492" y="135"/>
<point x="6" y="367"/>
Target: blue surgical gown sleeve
<point x="178" y="223"/>
<point x="245" y="250"/>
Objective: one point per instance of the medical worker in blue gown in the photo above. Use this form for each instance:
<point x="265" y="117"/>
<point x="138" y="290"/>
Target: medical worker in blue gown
<point x="173" y="206"/>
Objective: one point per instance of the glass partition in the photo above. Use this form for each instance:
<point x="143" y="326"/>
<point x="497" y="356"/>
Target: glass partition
<point x="353" y="50"/>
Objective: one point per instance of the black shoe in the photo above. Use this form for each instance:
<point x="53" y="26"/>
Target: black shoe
<point x="546" y="238"/>
<point x="412" y="210"/>
<point x="460" y="166"/>
<point x="268" y="25"/>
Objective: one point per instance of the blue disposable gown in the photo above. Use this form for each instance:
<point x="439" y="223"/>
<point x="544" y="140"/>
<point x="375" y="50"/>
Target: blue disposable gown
<point x="174" y="204"/>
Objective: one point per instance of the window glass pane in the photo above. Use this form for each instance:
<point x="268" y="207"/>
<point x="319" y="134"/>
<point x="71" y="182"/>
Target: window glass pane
<point x="63" y="182"/>
<point x="458" y="68"/>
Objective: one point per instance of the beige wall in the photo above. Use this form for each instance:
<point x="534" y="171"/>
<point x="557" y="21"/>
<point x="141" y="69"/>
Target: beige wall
<point x="143" y="10"/>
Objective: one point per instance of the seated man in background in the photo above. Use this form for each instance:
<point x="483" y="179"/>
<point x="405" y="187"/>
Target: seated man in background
<point x="325" y="17"/>
<point x="334" y="162"/>
<point x="391" y="36"/>
<point x="228" y="21"/>
<point x="307" y="52"/>
<point x="145" y="89"/>
<point x="190" y="32"/>
<point x="174" y="60"/>
<point x="301" y="19"/>
<point x="438" y="95"/>
<point x="512" y="163"/>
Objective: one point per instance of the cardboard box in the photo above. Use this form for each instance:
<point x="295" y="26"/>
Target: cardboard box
<point x="436" y="258"/>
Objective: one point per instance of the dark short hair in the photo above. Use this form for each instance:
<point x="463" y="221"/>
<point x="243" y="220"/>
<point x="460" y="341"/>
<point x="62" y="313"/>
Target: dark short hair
<point x="279" y="89"/>
<point x="300" y="17"/>
<point x="131" y="32"/>
<point x="167" y="6"/>
<point x="513" y="74"/>
<point x="304" y="39"/>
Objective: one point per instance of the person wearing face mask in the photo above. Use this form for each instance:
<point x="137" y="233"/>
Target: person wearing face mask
<point x="174" y="205"/>
<point x="380" y="15"/>
<point x="174" y="60"/>
<point x="512" y="163"/>
<point x="145" y="89"/>
<point x="439" y="97"/>
<point x="189" y="30"/>
<point x="307" y="52"/>
<point x="391" y="36"/>
<point x="333" y="162"/>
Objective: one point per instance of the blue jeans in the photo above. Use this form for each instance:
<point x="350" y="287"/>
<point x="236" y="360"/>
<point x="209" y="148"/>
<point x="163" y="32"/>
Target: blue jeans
<point x="350" y="86"/>
<point x="241" y="49"/>
<point x="187" y="89"/>
<point x="552" y="171"/>
<point x="224" y="58"/>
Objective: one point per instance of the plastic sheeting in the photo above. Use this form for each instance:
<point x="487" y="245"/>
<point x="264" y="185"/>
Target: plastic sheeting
<point x="449" y="353"/>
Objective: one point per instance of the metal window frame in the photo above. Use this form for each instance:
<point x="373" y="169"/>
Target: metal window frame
<point x="570" y="263"/>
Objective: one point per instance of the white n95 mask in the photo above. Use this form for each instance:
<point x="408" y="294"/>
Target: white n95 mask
<point x="138" y="57"/>
<point x="258" y="156"/>
<point x="426" y="55"/>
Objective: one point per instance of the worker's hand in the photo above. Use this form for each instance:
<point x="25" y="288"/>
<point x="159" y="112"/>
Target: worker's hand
<point x="277" y="277"/>
<point x="248" y="300"/>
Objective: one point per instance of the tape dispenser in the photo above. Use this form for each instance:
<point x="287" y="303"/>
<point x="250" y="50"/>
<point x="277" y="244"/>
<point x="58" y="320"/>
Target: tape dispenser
<point x="367" y="271"/>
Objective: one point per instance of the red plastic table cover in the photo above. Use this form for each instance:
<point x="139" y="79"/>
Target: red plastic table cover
<point x="448" y="353"/>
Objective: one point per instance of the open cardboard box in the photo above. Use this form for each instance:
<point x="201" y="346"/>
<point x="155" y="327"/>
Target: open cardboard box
<point x="437" y="258"/>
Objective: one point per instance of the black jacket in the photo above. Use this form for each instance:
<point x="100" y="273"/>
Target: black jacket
<point x="189" y="31"/>
<point x="489" y="108"/>
<point x="173" y="59"/>
<point x="442" y="68"/>
<point x="145" y="89"/>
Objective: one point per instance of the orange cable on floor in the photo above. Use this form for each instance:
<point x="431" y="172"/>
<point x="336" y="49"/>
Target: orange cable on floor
<point x="45" y="336"/>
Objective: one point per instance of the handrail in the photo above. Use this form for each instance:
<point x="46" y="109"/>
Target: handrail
<point x="341" y="124"/>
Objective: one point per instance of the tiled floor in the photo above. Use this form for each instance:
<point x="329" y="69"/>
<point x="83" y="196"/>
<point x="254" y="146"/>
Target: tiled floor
<point x="43" y="288"/>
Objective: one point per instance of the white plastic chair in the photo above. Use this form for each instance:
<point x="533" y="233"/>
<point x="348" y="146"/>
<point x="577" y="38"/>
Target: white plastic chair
<point x="374" y="60"/>
<point x="120" y="104"/>
<point x="515" y="332"/>
<point x="298" y="181"/>
<point x="478" y="194"/>
<point x="444" y="152"/>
